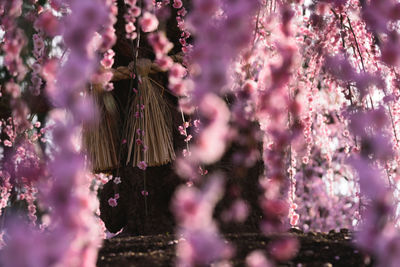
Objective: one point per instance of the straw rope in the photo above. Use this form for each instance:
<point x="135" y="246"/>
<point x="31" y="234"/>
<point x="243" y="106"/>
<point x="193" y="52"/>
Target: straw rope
<point x="154" y="120"/>
<point x="100" y="138"/>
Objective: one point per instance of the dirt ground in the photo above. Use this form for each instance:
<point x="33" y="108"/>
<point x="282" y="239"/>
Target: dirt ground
<point x="316" y="249"/>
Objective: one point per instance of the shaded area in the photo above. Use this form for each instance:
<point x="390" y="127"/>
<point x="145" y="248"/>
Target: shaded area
<point x="317" y="249"/>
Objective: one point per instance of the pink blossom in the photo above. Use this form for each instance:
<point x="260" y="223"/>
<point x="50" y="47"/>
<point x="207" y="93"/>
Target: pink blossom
<point x="148" y="22"/>
<point x="211" y="142"/>
<point x="164" y="62"/>
<point x="196" y="123"/>
<point x="7" y="143"/>
<point x="182" y="12"/>
<point x="188" y="138"/>
<point x="187" y="206"/>
<point x="202" y="171"/>
<point x="237" y="212"/>
<point x="13" y="89"/>
<point x="193" y="209"/>
<point x="177" y="4"/>
<point x="160" y="44"/>
<point x="38" y="42"/>
<point x="131" y="2"/>
<point x="112" y="202"/>
<point x="36" y="67"/>
<point x="48" y="23"/>
<point x="142" y="165"/>
<point x="202" y="247"/>
<point x="284" y="249"/>
<point x="186" y="152"/>
<point x="130" y="27"/>
<point x="135" y="11"/>
<point x="176" y="73"/>
<point x="257" y="259"/>
<point x="182" y="130"/>
<point x="108" y="38"/>
<point x="108" y="59"/>
<point x="117" y="180"/>
<point x="180" y="87"/>
<point x="294" y="219"/>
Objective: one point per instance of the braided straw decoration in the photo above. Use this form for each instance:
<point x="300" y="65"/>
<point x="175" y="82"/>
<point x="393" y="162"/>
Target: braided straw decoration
<point x="100" y="139"/>
<point x="154" y="121"/>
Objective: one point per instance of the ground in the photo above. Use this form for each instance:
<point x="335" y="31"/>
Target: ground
<point x="317" y="249"/>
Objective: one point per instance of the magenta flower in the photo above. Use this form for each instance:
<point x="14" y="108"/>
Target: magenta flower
<point x="142" y="165"/>
<point x="112" y="202"/>
<point x="177" y="4"/>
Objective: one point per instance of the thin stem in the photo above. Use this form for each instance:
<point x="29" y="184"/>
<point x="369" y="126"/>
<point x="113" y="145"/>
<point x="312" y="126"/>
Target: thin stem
<point x="361" y="58"/>
<point x="357" y="46"/>
<point x="256" y="28"/>
<point x="183" y="120"/>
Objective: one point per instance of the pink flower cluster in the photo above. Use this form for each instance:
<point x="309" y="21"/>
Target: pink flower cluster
<point x="316" y="85"/>
<point x="185" y="34"/>
<point x="38" y="52"/>
<point x="379" y="15"/>
<point x="131" y="16"/>
<point x="14" y="38"/>
<point x="5" y="190"/>
<point x="278" y="110"/>
<point x="199" y="242"/>
<point x="210" y="54"/>
<point x="73" y="235"/>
